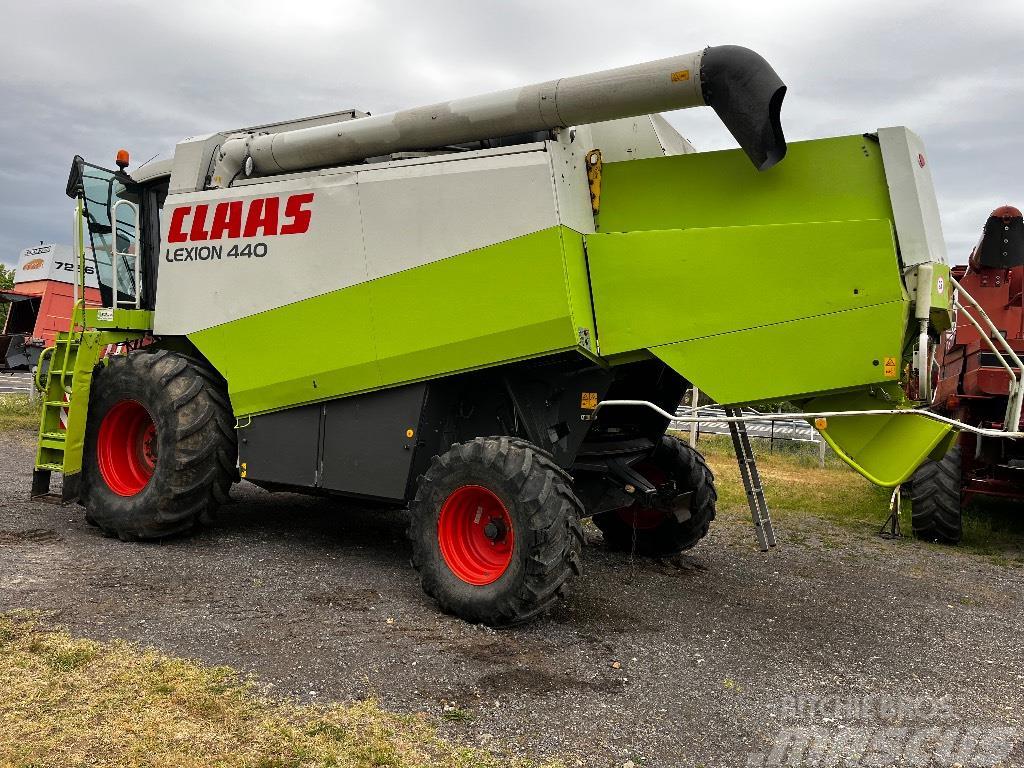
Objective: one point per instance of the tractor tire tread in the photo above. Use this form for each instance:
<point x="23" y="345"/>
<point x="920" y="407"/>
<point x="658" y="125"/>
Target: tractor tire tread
<point x="550" y="513"/>
<point x="936" y="499"/>
<point x="195" y="479"/>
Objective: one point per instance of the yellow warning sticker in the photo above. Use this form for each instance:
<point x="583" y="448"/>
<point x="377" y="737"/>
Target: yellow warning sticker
<point x="891" y="369"/>
<point x="681" y="76"/>
<point x="242" y="469"/>
<point x="588" y="402"/>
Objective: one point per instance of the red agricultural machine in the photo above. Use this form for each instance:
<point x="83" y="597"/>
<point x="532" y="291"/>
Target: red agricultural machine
<point x="977" y="380"/>
<point x="40" y="303"/>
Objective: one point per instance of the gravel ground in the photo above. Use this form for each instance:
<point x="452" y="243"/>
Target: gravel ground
<point x="713" y="659"/>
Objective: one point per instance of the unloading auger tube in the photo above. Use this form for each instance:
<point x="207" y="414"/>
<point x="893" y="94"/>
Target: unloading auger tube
<point x="736" y="82"/>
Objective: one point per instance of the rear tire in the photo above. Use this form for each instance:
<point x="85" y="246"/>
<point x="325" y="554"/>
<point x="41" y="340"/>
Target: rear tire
<point x="495" y="531"/>
<point x="160" y="447"/>
<point x="935" y="497"/>
<point x="657" y="532"/>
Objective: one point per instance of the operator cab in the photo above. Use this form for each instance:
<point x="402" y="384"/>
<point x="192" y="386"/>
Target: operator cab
<point x="118" y="219"/>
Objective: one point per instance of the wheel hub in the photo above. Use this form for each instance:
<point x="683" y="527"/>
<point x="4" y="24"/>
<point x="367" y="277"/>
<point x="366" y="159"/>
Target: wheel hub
<point x="495" y="529"/>
<point x="475" y="533"/>
<point x="126" y="448"/>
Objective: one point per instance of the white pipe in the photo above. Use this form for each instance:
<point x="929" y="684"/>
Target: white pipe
<point x="736" y="82"/>
<point x="1015" y="400"/>
<point x="988" y="321"/>
<point x="819" y="415"/>
<point x="987" y="340"/>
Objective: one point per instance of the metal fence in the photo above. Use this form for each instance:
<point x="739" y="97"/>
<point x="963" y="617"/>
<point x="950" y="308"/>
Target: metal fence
<point x="16" y="383"/>
<point x="768" y="428"/>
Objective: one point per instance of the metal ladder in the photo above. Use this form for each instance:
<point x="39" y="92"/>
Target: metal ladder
<point x="65" y="405"/>
<point x="751" y="481"/>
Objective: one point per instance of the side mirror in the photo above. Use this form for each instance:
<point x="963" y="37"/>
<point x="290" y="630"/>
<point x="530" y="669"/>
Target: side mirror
<point x="76" y="186"/>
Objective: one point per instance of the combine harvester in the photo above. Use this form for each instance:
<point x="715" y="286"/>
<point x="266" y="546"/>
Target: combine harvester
<point x="41" y="301"/>
<point x="488" y="310"/>
<point x="978" y="381"/>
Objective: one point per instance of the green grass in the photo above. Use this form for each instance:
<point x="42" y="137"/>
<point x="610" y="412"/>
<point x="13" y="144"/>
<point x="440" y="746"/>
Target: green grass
<point x="18" y="412"/>
<point x="68" y="701"/>
<point x="796" y="486"/>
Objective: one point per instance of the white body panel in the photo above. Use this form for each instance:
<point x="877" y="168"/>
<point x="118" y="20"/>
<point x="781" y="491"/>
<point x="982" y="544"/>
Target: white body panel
<point x="418" y="214"/>
<point x="914" y="207"/>
<point x="366" y="223"/>
<point x="199" y="293"/>
<point x="633" y="138"/>
<point x="572" y="189"/>
<point x="51" y="262"/>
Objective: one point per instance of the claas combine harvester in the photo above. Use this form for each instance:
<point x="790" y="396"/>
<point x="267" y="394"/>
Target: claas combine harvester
<point x="487" y="310"/>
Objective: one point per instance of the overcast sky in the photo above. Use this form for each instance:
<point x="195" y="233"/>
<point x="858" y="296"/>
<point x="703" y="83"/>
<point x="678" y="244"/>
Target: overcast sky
<point x="90" y="77"/>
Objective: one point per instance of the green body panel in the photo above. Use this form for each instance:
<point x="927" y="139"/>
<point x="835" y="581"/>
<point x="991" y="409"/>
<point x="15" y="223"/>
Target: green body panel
<point x="132" y="319"/>
<point x="884" y="449"/>
<point x="728" y="279"/>
<point x="837" y="179"/>
<point x="577" y="283"/>
<point x="320" y="347"/>
<point x="790" y="360"/>
<point x="516" y="299"/>
<point x="769" y="285"/>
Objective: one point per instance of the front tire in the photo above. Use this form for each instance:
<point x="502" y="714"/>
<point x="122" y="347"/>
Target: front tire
<point x="657" y="532"/>
<point x="495" y="531"/>
<point x="160" y="446"/>
<point x="935" y="497"/>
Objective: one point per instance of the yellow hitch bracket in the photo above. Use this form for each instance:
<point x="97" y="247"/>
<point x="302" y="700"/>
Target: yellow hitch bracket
<point x="594" y="177"/>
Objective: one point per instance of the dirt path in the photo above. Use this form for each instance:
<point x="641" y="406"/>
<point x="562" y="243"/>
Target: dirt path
<point x="701" y="662"/>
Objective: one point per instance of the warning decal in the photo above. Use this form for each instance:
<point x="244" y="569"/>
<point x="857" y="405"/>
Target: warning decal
<point x="588" y="401"/>
<point x="891" y="368"/>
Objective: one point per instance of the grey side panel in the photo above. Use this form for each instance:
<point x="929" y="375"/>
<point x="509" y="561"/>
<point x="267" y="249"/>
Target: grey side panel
<point x="281" y="447"/>
<point x="366" y="449"/>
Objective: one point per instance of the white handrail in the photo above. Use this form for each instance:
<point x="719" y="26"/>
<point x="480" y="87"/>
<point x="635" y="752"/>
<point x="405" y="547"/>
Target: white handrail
<point x="820" y="415"/>
<point x="1016" y="389"/>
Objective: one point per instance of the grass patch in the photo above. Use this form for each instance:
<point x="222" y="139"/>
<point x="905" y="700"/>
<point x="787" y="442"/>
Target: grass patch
<point x="795" y="485"/>
<point x="18" y="412"/>
<point x="995" y="528"/>
<point x="68" y="701"/>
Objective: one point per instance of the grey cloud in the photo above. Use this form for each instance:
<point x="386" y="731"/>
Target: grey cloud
<point x="88" y="78"/>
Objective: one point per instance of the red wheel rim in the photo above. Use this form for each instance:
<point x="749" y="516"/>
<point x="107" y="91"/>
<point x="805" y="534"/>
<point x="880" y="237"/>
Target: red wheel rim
<point x="126" y="448"/>
<point x="475" y="533"/>
<point x="636" y="515"/>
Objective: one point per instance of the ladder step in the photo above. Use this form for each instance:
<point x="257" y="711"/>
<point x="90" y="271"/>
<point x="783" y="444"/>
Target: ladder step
<point x="53" y="436"/>
<point x="51" y="467"/>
